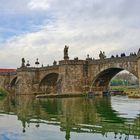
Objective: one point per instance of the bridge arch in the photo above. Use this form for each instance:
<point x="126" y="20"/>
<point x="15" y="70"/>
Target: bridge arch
<point x="48" y="83"/>
<point x="13" y="82"/>
<point x="103" y="78"/>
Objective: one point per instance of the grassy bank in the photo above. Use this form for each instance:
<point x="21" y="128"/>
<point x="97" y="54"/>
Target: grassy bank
<point x="129" y="90"/>
<point x="60" y="95"/>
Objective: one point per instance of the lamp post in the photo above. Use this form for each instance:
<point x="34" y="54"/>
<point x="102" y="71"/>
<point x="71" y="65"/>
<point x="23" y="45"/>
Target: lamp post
<point x="28" y="64"/>
<point x="37" y="63"/>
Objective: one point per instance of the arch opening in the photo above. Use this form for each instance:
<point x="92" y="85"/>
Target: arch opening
<point x="102" y="80"/>
<point x="13" y="82"/>
<point x="49" y="83"/>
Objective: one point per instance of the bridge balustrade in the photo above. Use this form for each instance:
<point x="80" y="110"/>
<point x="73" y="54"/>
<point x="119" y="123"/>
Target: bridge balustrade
<point x="115" y="59"/>
<point x="72" y="62"/>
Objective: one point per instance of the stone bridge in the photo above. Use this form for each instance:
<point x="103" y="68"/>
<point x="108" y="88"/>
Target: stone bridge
<point x="71" y="76"/>
<point x="7" y="78"/>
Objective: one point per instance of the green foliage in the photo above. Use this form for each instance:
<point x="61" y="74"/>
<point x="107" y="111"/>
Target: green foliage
<point x="119" y="82"/>
<point x="3" y="93"/>
<point x="127" y="89"/>
<point x="124" y="79"/>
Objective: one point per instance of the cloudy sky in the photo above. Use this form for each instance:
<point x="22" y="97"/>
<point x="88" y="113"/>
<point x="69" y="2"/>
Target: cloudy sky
<point x="41" y="28"/>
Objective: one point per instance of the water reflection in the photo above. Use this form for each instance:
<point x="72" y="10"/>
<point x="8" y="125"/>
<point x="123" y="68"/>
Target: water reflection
<point x="128" y="108"/>
<point x="73" y="116"/>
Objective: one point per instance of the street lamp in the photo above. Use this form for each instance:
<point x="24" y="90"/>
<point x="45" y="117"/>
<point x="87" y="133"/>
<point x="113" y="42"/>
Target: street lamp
<point x="37" y="63"/>
<point x="28" y="64"/>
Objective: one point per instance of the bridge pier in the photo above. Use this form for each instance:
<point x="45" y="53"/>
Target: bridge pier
<point x="72" y="76"/>
<point x="25" y="81"/>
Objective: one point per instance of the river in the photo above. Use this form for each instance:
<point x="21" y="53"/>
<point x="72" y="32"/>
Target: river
<point x="97" y="118"/>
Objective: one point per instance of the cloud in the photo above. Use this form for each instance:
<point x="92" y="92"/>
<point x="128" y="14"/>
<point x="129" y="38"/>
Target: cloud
<point x="13" y="6"/>
<point x="38" y="5"/>
<point x="86" y="26"/>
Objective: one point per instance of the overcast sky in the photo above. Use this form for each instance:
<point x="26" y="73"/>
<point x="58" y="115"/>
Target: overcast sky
<point x="41" y="28"/>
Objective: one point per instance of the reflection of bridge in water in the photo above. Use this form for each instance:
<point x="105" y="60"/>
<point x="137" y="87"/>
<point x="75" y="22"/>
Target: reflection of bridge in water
<point x="79" y="115"/>
<point x="71" y="76"/>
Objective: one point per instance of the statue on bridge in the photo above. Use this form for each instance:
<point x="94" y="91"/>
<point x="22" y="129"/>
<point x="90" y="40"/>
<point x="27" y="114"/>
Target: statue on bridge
<point x="123" y="55"/>
<point x="54" y="63"/>
<point x="102" y="55"/>
<point x="66" y="57"/>
<point x="23" y="63"/>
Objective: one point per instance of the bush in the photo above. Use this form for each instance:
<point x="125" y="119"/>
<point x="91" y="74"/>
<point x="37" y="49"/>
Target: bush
<point x="3" y="92"/>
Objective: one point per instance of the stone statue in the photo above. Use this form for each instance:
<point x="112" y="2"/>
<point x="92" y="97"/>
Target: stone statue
<point x="54" y="63"/>
<point x="23" y="62"/>
<point x="102" y="55"/>
<point x="112" y="56"/>
<point x="76" y="58"/>
<point x="66" y="57"/>
<point x="123" y="55"/>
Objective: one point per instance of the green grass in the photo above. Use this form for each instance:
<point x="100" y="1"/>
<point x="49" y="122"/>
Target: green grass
<point x="127" y="89"/>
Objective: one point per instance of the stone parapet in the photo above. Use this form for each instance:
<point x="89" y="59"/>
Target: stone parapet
<point x="32" y="69"/>
<point x="114" y="60"/>
<point x="49" y="68"/>
<point x="72" y="62"/>
<point x="27" y="69"/>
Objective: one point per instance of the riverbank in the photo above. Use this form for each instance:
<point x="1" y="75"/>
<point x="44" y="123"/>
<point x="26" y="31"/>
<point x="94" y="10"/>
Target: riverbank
<point x="130" y="91"/>
<point x="60" y="95"/>
<point x="126" y="89"/>
<point x="80" y="95"/>
<point x="134" y="96"/>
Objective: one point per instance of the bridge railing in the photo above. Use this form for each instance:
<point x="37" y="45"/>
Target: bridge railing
<point x="71" y="62"/>
<point x="115" y="59"/>
<point x="38" y="68"/>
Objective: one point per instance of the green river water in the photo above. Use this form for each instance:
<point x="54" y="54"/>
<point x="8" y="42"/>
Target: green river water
<point x="98" y="118"/>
